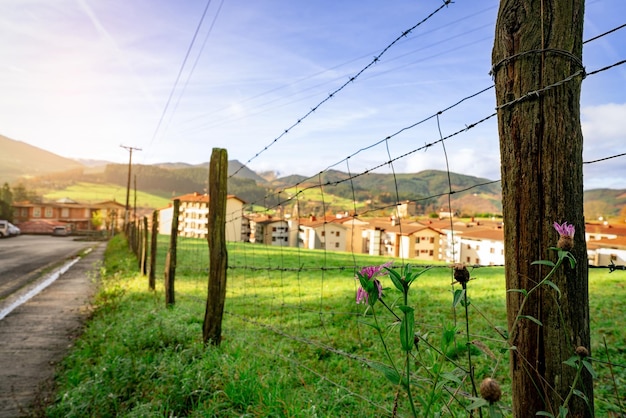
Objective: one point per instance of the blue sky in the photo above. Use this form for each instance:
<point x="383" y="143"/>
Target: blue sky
<point x="81" y="77"/>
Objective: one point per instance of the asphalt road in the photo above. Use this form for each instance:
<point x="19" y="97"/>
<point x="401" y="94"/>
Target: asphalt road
<point x="24" y="258"/>
<point x="37" y="334"/>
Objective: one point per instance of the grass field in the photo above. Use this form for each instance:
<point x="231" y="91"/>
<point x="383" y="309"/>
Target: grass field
<point x="92" y="192"/>
<point x="295" y="343"/>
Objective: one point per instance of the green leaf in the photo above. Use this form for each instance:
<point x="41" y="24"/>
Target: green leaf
<point x="389" y="372"/>
<point x="451" y="377"/>
<point x="458" y="296"/>
<point x="572" y="362"/>
<point x="406" y="328"/>
<point x="543" y="262"/>
<point x="396" y="278"/>
<point x="581" y="395"/>
<point x="533" y="319"/>
<point x="554" y="286"/>
<point x="478" y="403"/>
<point x="522" y="291"/>
<point x="562" y="411"/>
<point x="544" y="414"/>
<point x="589" y="368"/>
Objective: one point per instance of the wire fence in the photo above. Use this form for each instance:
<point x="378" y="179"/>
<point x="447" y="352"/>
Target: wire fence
<point x="297" y="291"/>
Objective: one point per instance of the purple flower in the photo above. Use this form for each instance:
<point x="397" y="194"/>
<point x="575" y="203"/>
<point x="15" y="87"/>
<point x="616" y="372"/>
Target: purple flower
<point x="369" y="282"/>
<point x="566" y="236"/>
<point x="565" y="230"/>
<point x="373" y="271"/>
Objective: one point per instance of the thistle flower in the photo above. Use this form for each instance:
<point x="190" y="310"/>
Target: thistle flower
<point x="490" y="390"/>
<point x="582" y="352"/>
<point x="369" y="283"/>
<point x="461" y="274"/>
<point x="566" y="236"/>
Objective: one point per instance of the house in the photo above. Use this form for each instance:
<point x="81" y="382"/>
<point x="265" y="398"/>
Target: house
<point x="607" y="251"/>
<point x="42" y="217"/>
<point x="484" y="246"/>
<point x="269" y="231"/>
<point x="323" y="233"/>
<point x="422" y="243"/>
<point x="193" y="217"/>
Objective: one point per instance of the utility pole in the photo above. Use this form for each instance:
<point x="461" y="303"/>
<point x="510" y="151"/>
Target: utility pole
<point x="130" y="162"/>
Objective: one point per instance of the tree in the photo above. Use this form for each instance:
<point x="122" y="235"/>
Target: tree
<point x="538" y="72"/>
<point x="6" y="201"/>
<point x="6" y="195"/>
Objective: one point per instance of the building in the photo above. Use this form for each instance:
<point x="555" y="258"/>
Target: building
<point x="193" y="217"/>
<point x="42" y="217"/>
<point x="321" y="233"/>
<point x="483" y="246"/>
<point x="269" y="231"/>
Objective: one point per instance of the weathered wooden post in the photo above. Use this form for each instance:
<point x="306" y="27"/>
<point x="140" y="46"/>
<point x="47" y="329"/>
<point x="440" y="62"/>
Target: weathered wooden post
<point x="153" y="250"/>
<point x="144" y="247"/>
<point x="538" y="72"/>
<point x="218" y="256"/>
<point x="170" y="261"/>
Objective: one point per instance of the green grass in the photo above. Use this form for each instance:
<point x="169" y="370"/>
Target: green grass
<point x="92" y="192"/>
<point x="294" y="341"/>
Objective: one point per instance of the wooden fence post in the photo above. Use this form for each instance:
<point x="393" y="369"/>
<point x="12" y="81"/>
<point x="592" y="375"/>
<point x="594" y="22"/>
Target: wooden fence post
<point x="153" y="250"/>
<point x="144" y="247"/>
<point x="170" y="261"/>
<point x="218" y="256"/>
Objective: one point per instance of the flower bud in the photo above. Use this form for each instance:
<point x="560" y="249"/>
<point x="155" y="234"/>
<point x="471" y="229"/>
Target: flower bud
<point x="490" y="390"/>
<point x="461" y="274"/>
<point x="582" y="352"/>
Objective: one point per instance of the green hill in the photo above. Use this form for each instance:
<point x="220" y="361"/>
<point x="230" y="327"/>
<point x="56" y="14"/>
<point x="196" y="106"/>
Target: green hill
<point x="19" y="159"/>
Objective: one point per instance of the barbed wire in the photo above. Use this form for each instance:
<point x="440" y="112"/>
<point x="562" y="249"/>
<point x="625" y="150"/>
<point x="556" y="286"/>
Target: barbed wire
<point x="350" y="80"/>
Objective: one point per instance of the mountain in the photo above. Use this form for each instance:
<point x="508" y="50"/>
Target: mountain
<point x="19" y="159"/>
<point x="428" y="189"/>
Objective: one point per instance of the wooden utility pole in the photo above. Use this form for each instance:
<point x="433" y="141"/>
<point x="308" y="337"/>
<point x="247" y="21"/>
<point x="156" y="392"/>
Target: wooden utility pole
<point x="130" y="163"/>
<point x="218" y="256"/>
<point x="538" y="72"/>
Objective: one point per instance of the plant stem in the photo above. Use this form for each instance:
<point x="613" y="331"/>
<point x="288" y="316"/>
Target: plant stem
<point x="521" y="308"/>
<point x="571" y="390"/>
<point x="408" y="358"/>
<point x="468" y="344"/>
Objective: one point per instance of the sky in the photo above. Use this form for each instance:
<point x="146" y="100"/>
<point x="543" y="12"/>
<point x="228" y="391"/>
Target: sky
<point x="176" y="79"/>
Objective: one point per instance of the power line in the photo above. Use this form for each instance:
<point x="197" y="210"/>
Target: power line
<point x="350" y="80"/>
<point x="180" y="71"/>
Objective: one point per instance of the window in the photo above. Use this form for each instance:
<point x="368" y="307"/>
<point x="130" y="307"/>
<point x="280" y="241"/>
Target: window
<point x="432" y="240"/>
<point x="48" y="213"/>
<point x="417" y="240"/>
<point x="87" y="213"/>
<point x="430" y="253"/>
<point x="336" y="245"/>
<point x="323" y="233"/>
<point x="492" y="250"/>
<point x="477" y="247"/>
<point x="478" y="261"/>
<point x="273" y="229"/>
<point x="24" y="212"/>
<point x="65" y="213"/>
<point x="273" y="238"/>
<point x="337" y="233"/>
<point x="467" y="259"/>
<point x="469" y="247"/>
<point x="36" y="212"/>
